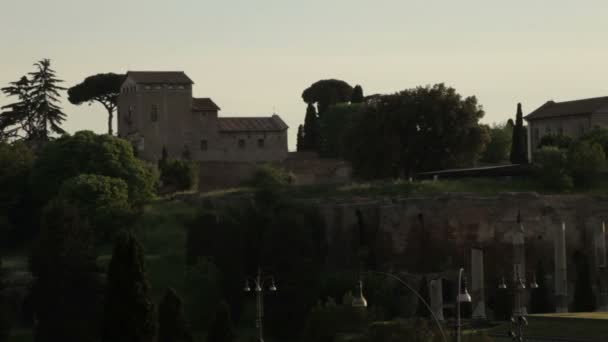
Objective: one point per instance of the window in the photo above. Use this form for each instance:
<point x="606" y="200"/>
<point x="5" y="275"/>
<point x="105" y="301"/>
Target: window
<point x="181" y="86"/>
<point x="147" y="87"/>
<point x="158" y="87"/>
<point x="154" y="113"/>
<point x="261" y="143"/>
<point x="241" y="143"/>
<point x="203" y="145"/>
<point x="548" y="129"/>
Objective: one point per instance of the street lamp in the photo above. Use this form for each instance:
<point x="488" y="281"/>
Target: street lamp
<point x="518" y="319"/>
<point x="259" y="283"/>
<point x="361" y="302"/>
<point x="462" y="297"/>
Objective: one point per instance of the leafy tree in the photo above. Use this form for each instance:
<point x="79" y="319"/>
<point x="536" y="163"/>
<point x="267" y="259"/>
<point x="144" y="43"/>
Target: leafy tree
<point x="172" y="325"/>
<point x="201" y="292"/>
<point x="129" y="313"/>
<point x="557" y="140"/>
<point x="103" y="201"/>
<point x="357" y="96"/>
<point x="421" y="129"/>
<point x="300" y="139"/>
<point x="334" y="127"/>
<point x="597" y="136"/>
<point x="326" y="93"/>
<point x="497" y="150"/>
<point x="221" y="330"/>
<point x="518" y="146"/>
<point x="68" y="283"/>
<point x="311" y="129"/>
<point x="88" y="153"/>
<point x="44" y="98"/>
<point x="16" y="208"/>
<point x="552" y="169"/>
<point x="101" y="88"/>
<point x="17" y="119"/>
<point x="179" y="174"/>
<point x="586" y="162"/>
<point x="540" y="299"/>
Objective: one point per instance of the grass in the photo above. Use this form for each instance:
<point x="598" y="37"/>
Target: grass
<point x="592" y="326"/>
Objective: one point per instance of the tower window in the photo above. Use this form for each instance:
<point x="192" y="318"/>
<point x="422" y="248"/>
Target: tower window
<point x="261" y="143"/>
<point x="203" y="145"/>
<point x="154" y="113"/>
<point x="241" y="143"/>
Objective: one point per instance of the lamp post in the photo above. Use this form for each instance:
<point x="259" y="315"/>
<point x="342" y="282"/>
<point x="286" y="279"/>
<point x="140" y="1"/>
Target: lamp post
<point x="259" y="282"/>
<point x="462" y="297"/>
<point x="518" y="319"/>
<point x="361" y="302"/>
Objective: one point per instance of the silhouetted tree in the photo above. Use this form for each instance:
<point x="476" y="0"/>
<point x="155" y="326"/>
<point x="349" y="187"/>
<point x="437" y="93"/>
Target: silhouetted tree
<point x="67" y="291"/>
<point x="44" y="99"/>
<point x="101" y="88"/>
<point x="311" y="129"/>
<point x="540" y="298"/>
<point x="300" y="139"/>
<point x="129" y="313"/>
<point x="5" y="323"/>
<point x="584" y="299"/>
<point x="172" y="325"/>
<point x="17" y="119"/>
<point x="518" y="144"/>
<point x="326" y="93"/>
<point x="221" y="329"/>
<point x="357" y="96"/>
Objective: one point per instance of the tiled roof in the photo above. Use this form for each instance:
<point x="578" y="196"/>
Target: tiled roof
<point x="203" y="103"/>
<point x="171" y="77"/>
<point x="252" y="124"/>
<point x="579" y="107"/>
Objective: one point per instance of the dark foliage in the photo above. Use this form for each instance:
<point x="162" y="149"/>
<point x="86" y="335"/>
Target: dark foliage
<point x="17" y="119"/>
<point x="552" y="168"/>
<point x="556" y="140"/>
<point x="311" y="130"/>
<point x="67" y="293"/>
<point x="357" y="96"/>
<point x="178" y="175"/>
<point x="326" y="93"/>
<point x="172" y="325"/>
<point x="422" y="310"/>
<point x="88" y="153"/>
<point x="5" y="321"/>
<point x="421" y="129"/>
<point x="584" y="298"/>
<point x="300" y="139"/>
<point x="129" y="313"/>
<point x="519" y="154"/>
<point x="586" y="161"/>
<point x="335" y="124"/>
<point x="101" y="88"/>
<point x="499" y="147"/>
<point x="221" y="330"/>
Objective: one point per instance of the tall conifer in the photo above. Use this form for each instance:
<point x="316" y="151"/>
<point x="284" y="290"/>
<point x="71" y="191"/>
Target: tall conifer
<point x="518" y="144"/>
<point x="311" y="129"/>
<point x="45" y="97"/>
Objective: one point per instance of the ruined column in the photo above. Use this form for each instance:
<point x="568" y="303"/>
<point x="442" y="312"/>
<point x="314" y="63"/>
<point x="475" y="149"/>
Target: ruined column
<point x="477" y="284"/>
<point x="561" y="275"/>
<point x="436" y="294"/>
<point x="519" y="266"/>
<point x="599" y="239"/>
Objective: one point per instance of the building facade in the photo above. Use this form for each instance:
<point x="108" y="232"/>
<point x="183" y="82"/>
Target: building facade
<point x="156" y="111"/>
<point x="571" y="118"/>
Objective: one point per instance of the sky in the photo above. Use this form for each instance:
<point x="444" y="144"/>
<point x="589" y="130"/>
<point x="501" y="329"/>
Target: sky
<point x="255" y="57"/>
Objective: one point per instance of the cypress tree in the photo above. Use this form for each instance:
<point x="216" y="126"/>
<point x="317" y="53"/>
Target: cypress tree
<point x="518" y="143"/>
<point x="357" y="96"/>
<point x="584" y="299"/>
<point x="172" y="326"/>
<point x="540" y="300"/>
<point x="221" y="330"/>
<point x="300" y="139"/>
<point x="311" y="129"/>
<point x="129" y="314"/>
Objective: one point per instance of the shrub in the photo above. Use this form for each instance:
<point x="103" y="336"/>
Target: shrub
<point x="552" y="169"/>
<point x="178" y="174"/>
<point x="268" y="176"/>
<point x="102" y="201"/>
<point x="497" y="150"/>
<point x="88" y="153"/>
<point x="586" y="161"/>
<point x="556" y="140"/>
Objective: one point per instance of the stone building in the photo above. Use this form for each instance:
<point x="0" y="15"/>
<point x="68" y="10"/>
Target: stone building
<point x="571" y="118"/>
<point x="156" y="110"/>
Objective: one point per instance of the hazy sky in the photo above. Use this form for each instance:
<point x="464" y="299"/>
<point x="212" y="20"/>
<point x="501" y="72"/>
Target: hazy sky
<point x="255" y="55"/>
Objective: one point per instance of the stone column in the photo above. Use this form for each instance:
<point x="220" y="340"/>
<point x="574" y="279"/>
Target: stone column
<point x="599" y="240"/>
<point x="519" y="267"/>
<point x="477" y="284"/>
<point x="561" y="271"/>
<point x="436" y="294"/>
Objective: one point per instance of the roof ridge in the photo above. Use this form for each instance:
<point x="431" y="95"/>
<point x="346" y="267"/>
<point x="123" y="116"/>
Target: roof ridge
<point x="579" y="100"/>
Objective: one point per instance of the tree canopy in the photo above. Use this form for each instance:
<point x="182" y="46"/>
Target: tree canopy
<point x="326" y="93"/>
<point x="101" y="88"/>
<point x="357" y="96"/>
